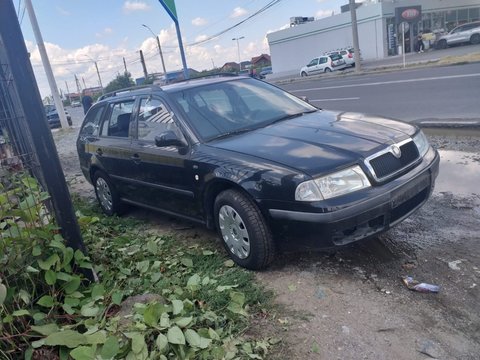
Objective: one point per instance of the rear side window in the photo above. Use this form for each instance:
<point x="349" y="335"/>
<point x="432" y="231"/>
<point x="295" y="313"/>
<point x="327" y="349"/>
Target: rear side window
<point x="153" y="119"/>
<point x="117" y="124"/>
<point x="323" y="60"/>
<point x="90" y="124"/>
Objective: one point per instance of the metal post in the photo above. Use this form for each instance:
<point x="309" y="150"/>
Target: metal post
<point x="46" y="64"/>
<point x="238" y="50"/>
<point x="42" y="141"/>
<point x="356" y="46"/>
<point x="84" y="85"/>
<point x="403" y="42"/>
<point x="182" y="52"/>
<point x="169" y="6"/>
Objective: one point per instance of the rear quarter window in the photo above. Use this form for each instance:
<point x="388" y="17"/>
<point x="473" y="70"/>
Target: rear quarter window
<point x="90" y="124"/>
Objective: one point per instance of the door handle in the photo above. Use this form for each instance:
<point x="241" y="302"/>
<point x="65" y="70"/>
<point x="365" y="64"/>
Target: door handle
<point x="99" y="152"/>
<point x="136" y="158"/>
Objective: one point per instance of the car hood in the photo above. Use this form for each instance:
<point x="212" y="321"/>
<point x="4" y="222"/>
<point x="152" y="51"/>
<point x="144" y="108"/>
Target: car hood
<point x="320" y="142"/>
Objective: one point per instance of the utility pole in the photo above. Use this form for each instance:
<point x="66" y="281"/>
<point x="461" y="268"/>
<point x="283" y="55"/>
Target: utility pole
<point x="125" y="65"/>
<point x="46" y="64"/>
<point x="84" y="85"/>
<point x="78" y="84"/>
<point x="142" y="60"/>
<point x="99" y="78"/>
<point x="356" y="46"/>
<point x="159" y="47"/>
<point x="68" y="92"/>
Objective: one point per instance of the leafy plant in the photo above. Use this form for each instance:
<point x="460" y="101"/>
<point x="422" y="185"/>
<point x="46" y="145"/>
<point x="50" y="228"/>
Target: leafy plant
<point x="155" y="299"/>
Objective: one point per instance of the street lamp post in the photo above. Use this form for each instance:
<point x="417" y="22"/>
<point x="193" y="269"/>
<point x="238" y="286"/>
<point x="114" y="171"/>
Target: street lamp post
<point x="238" y="49"/>
<point x="159" y="47"/>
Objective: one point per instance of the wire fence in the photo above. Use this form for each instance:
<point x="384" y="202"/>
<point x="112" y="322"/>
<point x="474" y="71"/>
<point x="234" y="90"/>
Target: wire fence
<point x="24" y="204"/>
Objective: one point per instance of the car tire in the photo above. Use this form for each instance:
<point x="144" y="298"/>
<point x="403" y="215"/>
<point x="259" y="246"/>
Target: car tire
<point x="442" y="44"/>
<point x="327" y="70"/>
<point x="304" y="74"/>
<point x="107" y="195"/>
<point x="475" y="39"/>
<point x="242" y="227"/>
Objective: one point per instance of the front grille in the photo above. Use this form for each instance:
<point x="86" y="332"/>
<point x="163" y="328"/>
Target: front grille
<point x="387" y="164"/>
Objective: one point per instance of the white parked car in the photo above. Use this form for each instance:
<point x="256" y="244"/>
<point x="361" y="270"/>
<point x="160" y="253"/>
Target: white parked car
<point x="461" y="34"/>
<point x="327" y="63"/>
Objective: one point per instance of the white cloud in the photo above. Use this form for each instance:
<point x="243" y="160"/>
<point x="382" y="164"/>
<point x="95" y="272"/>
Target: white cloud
<point x="238" y="11"/>
<point x="201" y="38"/>
<point x="62" y="11"/>
<point x="106" y="31"/>
<point x="324" y="13"/>
<point x="198" y="21"/>
<point x="129" y="6"/>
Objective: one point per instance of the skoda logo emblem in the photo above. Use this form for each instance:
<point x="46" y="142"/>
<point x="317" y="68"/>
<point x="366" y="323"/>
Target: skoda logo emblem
<point x="396" y="151"/>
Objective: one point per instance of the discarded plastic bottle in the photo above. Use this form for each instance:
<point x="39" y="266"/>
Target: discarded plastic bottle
<point x="420" y="287"/>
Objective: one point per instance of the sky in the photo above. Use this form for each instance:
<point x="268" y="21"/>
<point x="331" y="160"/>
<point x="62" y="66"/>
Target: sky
<point x="78" y="32"/>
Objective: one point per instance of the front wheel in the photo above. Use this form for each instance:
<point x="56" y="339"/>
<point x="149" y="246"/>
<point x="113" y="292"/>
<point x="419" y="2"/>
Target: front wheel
<point x="304" y="74"/>
<point x="106" y="194"/>
<point x="327" y="70"/>
<point x="245" y="234"/>
<point x="442" y="44"/>
<point x="475" y="39"/>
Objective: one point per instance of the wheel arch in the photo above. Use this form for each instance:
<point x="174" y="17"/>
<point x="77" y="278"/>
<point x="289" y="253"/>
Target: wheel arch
<point x="212" y="190"/>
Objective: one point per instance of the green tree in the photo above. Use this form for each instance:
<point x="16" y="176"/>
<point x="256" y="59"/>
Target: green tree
<point x="120" y="82"/>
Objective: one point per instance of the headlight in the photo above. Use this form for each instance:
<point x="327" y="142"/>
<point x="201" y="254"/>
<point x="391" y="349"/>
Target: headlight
<point x="422" y="143"/>
<point x="336" y="184"/>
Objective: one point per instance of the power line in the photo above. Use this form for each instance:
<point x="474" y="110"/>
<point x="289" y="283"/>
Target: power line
<point x="258" y="12"/>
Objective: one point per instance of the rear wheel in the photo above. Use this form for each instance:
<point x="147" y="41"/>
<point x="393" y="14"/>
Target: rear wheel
<point x="245" y="234"/>
<point x="327" y="70"/>
<point x="304" y="74"/>
<point x="475" y="39"/>
<point x="106" y="194"/>
<point x="442" y="44"/>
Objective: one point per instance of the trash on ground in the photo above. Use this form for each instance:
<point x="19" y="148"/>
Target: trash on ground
<point x="429" y="348"/>
<point x="454" y="264"/>
<point x="414" y="285"/>
<point x="409" y="265"/>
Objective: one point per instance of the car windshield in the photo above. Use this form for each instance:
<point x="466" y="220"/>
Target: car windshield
<point x="228" y="108"/>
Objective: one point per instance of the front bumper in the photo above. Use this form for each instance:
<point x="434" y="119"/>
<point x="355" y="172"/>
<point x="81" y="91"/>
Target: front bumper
<point x="376" y="211"/>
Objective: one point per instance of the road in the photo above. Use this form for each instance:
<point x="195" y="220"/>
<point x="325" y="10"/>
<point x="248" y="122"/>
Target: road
<point x="450" y="92"/>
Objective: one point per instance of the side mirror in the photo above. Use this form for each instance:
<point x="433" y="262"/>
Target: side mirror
<point x="169" y="138"/>
<point x="304" y="98"/>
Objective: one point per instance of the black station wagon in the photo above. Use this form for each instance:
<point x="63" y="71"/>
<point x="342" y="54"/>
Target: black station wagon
<point x="266" y="169"/>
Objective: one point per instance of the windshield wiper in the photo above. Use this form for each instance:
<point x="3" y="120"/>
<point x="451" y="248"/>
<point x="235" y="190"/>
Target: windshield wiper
<point x="231" y="133"/>
<point x="291" y="116"/>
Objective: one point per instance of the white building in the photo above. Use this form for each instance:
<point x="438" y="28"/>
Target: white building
<point x="294" y="47"/>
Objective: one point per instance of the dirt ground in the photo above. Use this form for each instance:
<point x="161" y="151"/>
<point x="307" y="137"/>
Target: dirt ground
<point x="352" y="304"/>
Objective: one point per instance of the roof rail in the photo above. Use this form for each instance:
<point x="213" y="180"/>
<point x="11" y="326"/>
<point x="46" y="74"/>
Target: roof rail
<point x="219" y="74"/>
<point x="126" y="90"/>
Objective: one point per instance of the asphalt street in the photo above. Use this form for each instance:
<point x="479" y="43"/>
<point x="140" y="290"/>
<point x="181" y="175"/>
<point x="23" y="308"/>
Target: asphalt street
<point x="445" y="93"/>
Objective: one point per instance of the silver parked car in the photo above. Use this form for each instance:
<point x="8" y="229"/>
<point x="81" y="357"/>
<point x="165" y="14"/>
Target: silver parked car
<point x="327" y="63"/>
<point x="461" y="34"/>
